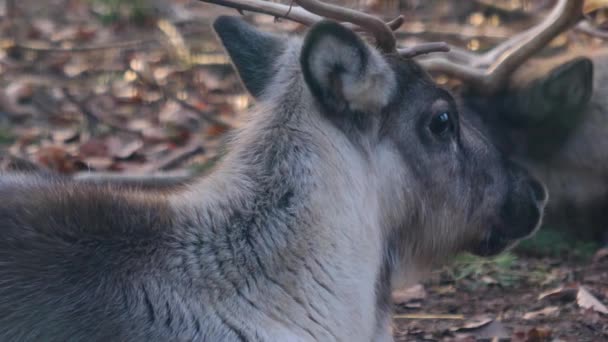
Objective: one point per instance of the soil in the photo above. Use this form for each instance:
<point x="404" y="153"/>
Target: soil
<point x="481" y="309"/>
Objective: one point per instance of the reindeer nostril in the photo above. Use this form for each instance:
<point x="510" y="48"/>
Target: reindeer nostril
<point x="540" y="194"/>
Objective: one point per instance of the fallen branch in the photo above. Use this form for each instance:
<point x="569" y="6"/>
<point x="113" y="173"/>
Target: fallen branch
<point x="173" y="160"/>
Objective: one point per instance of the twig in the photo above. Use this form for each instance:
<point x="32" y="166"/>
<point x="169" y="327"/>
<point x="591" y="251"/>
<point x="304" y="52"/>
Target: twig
<point x="92" y="48"/>
<point x="90" y="118"/>
<point x="167" y="94"/>
<point x="428" y="316"/>
<point x="93" y="119"/>
<point x="117" y="45"/>
<point x="174" y="159"/>
<point x="589" y="29"/>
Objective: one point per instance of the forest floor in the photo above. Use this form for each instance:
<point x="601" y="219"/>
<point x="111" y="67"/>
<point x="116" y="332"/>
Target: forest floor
<point x="142" y="87"/>
<point x="508" y="299"/>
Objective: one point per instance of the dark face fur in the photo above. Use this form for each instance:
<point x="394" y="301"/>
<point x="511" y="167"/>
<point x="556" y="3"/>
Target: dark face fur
<point x="458" y="191"/>
<point x="460" y="174"/>
<point x="544" y="102"/>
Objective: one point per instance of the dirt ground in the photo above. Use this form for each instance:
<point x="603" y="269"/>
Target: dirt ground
<point x="142" y="87"/>
<point x="545" y="300"/>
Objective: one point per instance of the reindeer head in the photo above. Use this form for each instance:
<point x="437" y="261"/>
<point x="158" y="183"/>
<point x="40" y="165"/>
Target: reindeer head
<point x="441" y="186"/>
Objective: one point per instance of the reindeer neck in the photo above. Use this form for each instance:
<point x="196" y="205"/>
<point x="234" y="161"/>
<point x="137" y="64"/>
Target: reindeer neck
<point x="287" y="218"/>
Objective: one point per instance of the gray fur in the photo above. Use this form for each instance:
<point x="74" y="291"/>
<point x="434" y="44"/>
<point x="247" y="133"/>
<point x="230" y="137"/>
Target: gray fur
<point x="300" y="234"/>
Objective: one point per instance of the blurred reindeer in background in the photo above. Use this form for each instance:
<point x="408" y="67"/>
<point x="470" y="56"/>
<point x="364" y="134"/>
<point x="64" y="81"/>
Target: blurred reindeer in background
<point x="549" y="113"/>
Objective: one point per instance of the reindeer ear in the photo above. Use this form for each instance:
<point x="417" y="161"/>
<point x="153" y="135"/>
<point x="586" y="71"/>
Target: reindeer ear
<point x="570" y="84"/>
<point x="558" y="97"/>
<point x="552" y="106"/>
<point x="253" y="53"/>
<point x="343" y="72"/>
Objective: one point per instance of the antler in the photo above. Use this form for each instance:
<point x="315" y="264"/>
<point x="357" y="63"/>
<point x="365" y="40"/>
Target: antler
<point x="312" y="11"/>
<point x="489" y="72"/>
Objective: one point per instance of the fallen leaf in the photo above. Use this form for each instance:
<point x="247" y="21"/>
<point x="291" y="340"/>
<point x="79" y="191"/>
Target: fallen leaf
<point x="562" y="293"/>
<point x="442" y="290"/>
<point x="94" y="147"/>
<point x="494" y="330"/>
<point x="600" y="256"/>
<point x="410" y="294"/>
<point x="474" y="323"/>
<point x="413" y="305"/>
<point x="594" y="5"/>
<point x="123" y="150"/>
<point x="56" y="158"/>
<point x="539" y="335"/>
<point x="64" y="135"/>
<point x="587" y="301"/>
<point x="548" y="311"/>
<point x="98" y="163"/>
<point x="533" y="335"/>
<point x="489" y="280"/>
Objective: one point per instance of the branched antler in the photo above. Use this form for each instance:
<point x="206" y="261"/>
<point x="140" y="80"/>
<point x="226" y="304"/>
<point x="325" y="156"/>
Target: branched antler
<point x="311" y="11"/>
<point x="490" y="71"/>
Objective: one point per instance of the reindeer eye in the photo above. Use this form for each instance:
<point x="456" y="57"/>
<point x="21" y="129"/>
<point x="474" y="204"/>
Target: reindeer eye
<point x="441" y="124"/>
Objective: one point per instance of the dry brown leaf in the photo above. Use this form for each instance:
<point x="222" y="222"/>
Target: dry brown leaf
<point x="94" y="148"/>
<point x="539" y="335"/>
<point x="594" y="5"/>
<point x="56" y="158"/>
<point x="600" y="256"/>
<point x="492" y="331"/>
<point x="474" y="323"/>
<point x="587" y="301"/>
<point x="121" y="149"/>
<point x="64" y="135"/>
<point x="489" y="280"/>
<point x="548" y="311"/>
<point x="562" y="293"/>
<point x="410" y="294"/>
<point x="98" y="163"/>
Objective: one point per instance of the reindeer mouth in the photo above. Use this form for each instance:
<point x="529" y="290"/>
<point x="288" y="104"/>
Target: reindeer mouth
<point x="519" y="218"/>
<point x="492" y="244"/>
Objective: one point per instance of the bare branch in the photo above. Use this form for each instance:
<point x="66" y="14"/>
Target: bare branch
<point x="312" y="11"/>
<point x="296" y="14"/>
<point x="588" y="28"/>
<point x="177" y="157"/>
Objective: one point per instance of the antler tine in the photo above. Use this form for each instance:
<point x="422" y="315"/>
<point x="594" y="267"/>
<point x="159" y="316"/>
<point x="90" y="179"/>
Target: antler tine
<point x="508" y="56"/>
<point x="424" y="48"/>
<point x="382" y="32"/>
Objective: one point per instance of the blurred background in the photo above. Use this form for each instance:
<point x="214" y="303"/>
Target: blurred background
<point x="142" y="87"/>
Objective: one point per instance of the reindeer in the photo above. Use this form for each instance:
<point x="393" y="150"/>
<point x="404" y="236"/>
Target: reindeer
<point x="547" y="113"/>
<point x="355" y="174"/>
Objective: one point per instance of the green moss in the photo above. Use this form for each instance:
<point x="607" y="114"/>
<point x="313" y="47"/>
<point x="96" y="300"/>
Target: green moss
<point x="556" y="243"/>
<point x="6" y="135"/>
<point x="111" y="11"/>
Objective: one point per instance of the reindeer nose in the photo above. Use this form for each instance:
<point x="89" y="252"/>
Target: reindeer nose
<point x="538" y="190"/>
